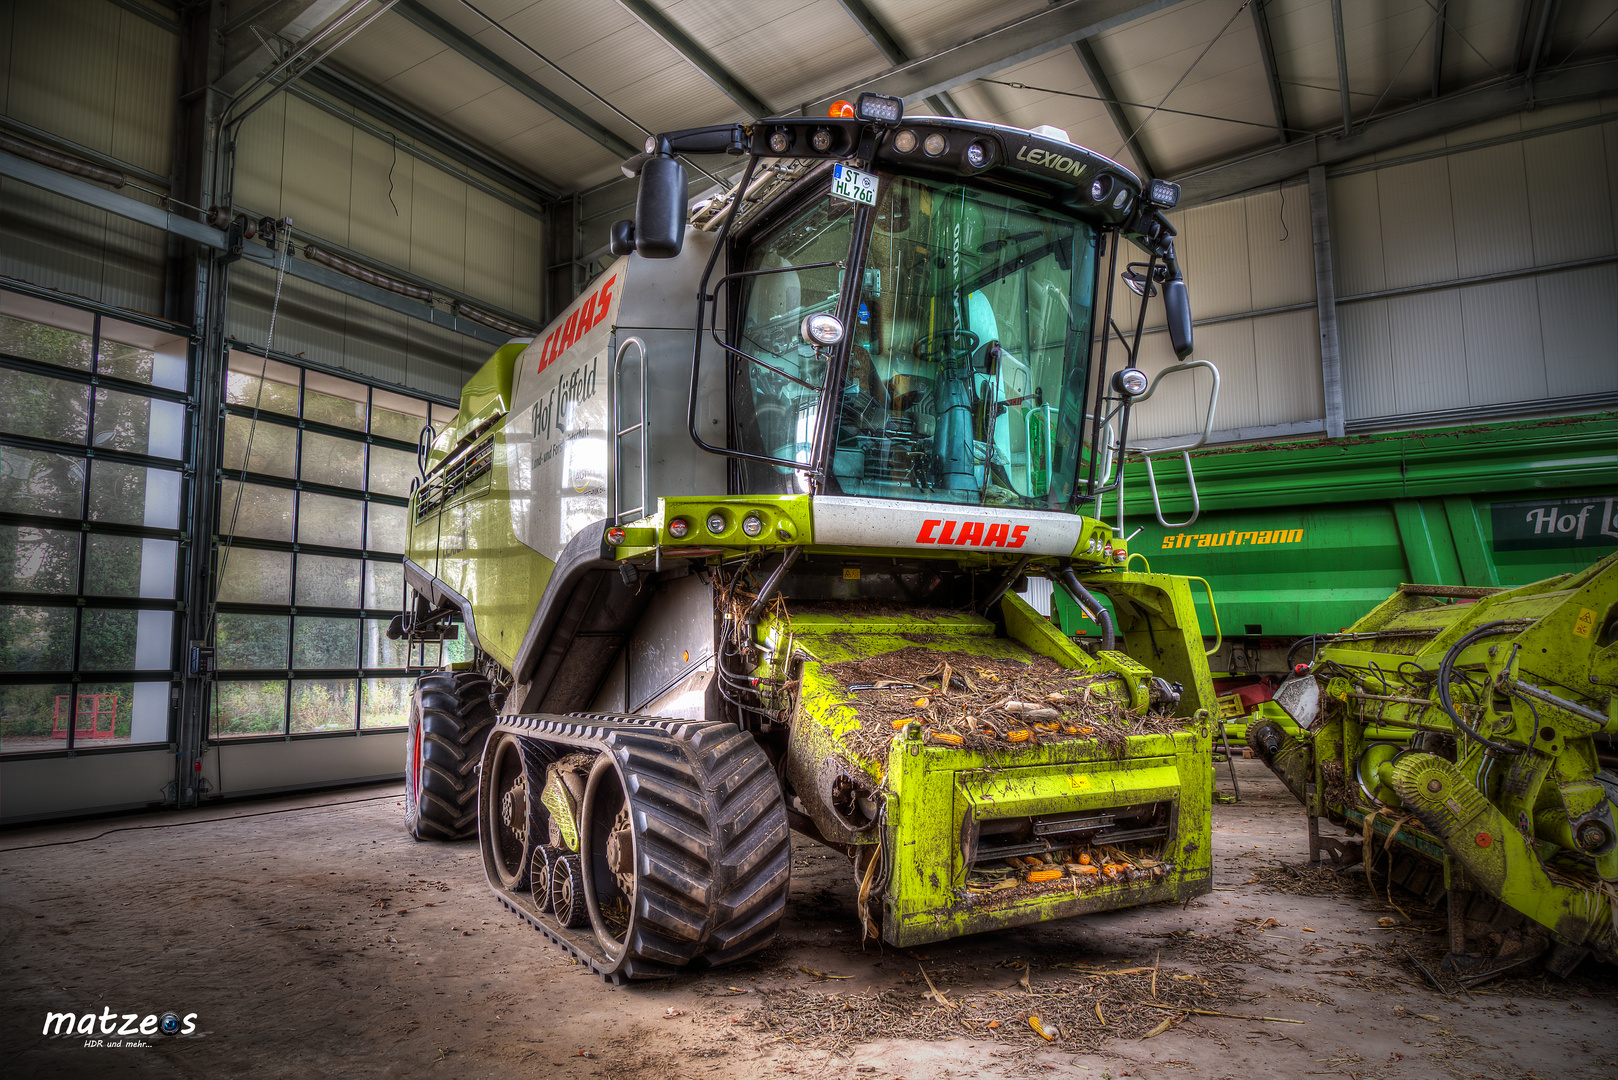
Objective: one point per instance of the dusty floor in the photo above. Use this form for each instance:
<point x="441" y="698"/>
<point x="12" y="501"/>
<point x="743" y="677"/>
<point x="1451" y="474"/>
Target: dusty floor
<point x="312" y="937"/>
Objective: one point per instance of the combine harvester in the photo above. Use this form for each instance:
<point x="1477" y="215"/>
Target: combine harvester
<point x="735" y="546"/>
<point x="1474" y="733"/>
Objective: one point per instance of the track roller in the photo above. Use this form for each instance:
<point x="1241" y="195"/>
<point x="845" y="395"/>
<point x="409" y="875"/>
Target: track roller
<point x="567" y="893"/>
<point x="512" y="814"/>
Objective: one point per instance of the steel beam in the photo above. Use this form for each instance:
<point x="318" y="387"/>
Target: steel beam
<point x="1547" y="16"/>
<point x="1454" y="110"/>
<point x="1440" y="25"/>
<point x="1331" y="364"/>
<point x="514" y="77"/>
<point x="1272" y="73"/>
<point x="82" y="191"/>
<point x="1032" y="36"/>
<point x="680" y="42"/>
<point x="1103" y="85"/>
<point x="892" y="51"/>
<point x="1342" y="65"/>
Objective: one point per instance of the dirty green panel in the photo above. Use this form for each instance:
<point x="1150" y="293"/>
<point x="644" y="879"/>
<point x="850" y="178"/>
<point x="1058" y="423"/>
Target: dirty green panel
<point x="486" y="395"/>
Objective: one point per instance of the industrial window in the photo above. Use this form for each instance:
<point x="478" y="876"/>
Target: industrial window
<point x="316" y="478"/>
<point x="94" y="430"/>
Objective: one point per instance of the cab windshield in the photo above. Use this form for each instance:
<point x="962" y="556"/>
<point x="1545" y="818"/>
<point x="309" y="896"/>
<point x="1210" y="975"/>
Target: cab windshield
<point x="967" y="371"/>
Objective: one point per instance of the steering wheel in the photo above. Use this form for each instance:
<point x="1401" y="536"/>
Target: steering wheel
<point x="944" y="343"/>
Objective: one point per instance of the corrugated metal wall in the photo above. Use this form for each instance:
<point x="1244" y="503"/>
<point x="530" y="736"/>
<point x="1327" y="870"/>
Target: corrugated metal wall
<point x="1538" y="202"/>
<point x="105" y="80"/>
<point x="1253" y="254"/>
<point x="1543" y="334"/>
<point x="349" y="189"/>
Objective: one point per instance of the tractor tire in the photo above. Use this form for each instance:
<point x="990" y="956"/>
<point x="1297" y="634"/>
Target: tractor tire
<point x="450" y="719"/>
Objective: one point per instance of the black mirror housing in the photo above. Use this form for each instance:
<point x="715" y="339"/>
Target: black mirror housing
<point x="1177" y="308"/>
<point x="660" y="209"/>
<point x="621" y="238"/>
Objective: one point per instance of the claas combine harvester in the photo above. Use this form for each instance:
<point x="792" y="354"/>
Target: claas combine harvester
<point x="735" y="546"/>
<point x="1471" y="734"/>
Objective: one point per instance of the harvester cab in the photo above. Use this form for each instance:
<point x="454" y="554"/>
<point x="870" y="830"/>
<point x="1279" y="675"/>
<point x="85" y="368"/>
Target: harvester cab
<point x="737" y="546"/>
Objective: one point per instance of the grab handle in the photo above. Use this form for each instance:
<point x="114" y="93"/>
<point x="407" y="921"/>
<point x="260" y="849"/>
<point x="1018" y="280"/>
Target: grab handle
<point x="1184" y="449"/>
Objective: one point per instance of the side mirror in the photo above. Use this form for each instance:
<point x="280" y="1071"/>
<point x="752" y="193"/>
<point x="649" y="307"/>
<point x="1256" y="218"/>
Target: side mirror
<point x="660" y="209"/>
<point x="621" y="238"/>
<point x="1177" y="307"/>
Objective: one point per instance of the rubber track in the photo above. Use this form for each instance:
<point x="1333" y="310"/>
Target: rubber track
<point x="456" y="720"/>
<point x="712" y="843"/>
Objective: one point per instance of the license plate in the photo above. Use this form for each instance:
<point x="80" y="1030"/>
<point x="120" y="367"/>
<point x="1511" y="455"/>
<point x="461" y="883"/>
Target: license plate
<point x="853" y="185"/>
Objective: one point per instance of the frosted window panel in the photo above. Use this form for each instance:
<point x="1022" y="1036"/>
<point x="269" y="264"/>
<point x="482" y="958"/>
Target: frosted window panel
<point x="329" y="520"/>
<point x="275" y="448"/>
<point x="49" y="333"/>
<point x="328" y="581"/>
<point x="392" y="471"/>
<point x="384" y="584"/>
<point x="269" y="385"/>
<point x="138" y="425"/>
<point x="41" y="407"/>
<point x="254" y="576"/>
<point x="36" y="482"/>
<point x="387" y="528"/>
<point x="143" y="355"/>
<point x="325" y="643"/>
<point x="330" y="400"/>
<point x="256" y="642"/>
<point x="125" y="640"/>
<point x="134" y="495"/>
<point x="396" y="416"/>
<point x="38" y="560"/>
<point x="36" y="638"/>
<point x="334" y="461"/>
<point x="255" y="510"/>
<point x="380" y="651"/>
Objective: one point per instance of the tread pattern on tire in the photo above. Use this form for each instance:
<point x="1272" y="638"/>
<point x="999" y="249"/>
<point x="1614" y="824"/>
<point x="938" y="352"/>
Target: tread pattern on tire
<point x="713" y="847"/>
<point x="453" y="713"/>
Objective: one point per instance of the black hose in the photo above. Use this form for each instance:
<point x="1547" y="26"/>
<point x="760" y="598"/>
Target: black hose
<point x="1086" y="600"/>
<point x="1486" y="630"/>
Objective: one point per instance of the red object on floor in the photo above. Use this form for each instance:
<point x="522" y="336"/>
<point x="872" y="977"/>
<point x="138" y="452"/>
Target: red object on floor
<point x="1251" y="691"/>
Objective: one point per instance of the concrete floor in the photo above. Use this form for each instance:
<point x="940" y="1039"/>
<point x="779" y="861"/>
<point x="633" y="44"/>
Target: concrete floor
<point x="311" y="937"/>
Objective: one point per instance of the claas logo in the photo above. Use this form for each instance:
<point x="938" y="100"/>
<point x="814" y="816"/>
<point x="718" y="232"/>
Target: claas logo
<point x="972" y="533"/>
<point x="581" y="322"/>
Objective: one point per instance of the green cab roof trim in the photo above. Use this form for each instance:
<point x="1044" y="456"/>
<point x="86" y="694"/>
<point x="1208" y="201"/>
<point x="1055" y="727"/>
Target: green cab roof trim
<point x="486" y="396"/>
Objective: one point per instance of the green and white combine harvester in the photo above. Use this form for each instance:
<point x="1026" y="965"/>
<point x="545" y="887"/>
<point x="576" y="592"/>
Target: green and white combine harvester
<point x="736" y="544"/>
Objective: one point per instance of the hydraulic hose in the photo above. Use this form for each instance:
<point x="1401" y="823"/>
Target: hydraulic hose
<point x="1087" y="600"/>
<point x="1486" y="630"/>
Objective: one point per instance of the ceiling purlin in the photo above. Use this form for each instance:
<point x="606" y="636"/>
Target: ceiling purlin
<point x="680" y="42"/>
<point x="1021" y="40"/>
<point x="861" y="13"/>
<point x="1272" y="73"/>
<point x="1120" y="120"/>
<point x="1458" y="108"/>
<point x="1440" y="27"/>
<point x="1342" y="65"/>
<point x="513" y="76"/>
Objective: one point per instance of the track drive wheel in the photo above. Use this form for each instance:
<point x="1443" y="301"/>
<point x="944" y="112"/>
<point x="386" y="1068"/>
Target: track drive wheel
<point x="449" y="721"/>
<point x="514" y="823"/>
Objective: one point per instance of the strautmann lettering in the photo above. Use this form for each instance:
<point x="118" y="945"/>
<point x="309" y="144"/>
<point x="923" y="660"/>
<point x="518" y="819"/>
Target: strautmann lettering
<point x="1233" y="539"/>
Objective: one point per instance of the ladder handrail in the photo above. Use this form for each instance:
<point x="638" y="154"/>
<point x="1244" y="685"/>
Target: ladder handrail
<point x="615" y="385"/>
<point x="1184" y="449"/>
